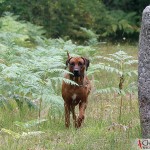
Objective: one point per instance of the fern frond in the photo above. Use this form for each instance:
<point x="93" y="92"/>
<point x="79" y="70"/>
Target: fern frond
<point x="59" y="70"/>
<point x="130" y="62"/>
<point x="23" y="135"/>
<point x="10" y="132"/>
<point x="29" y="124"/>
<point x="4" y="102"/>
<point x="108" y="59"/>
<point x="33" y="133"/>
<point x="106" y="68"/>
<point x="65" y="80"/>
<point x="121" y="56"/>
<point x="110" y="90"/>
<point x="107" y="90"/>
<point x="130" y="73"/>
<point x="52" y="99"/>
<point x="23" y="99"/>
<point x="132" y="87"/>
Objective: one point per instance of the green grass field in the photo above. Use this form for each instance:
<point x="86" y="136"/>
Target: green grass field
<point x="102" y="128"/>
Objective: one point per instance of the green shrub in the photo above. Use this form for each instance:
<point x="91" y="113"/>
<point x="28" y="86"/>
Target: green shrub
<point x="66" y="19"/>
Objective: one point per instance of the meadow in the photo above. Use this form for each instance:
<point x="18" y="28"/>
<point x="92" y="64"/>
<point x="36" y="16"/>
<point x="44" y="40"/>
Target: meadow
<point x="31" y="106"/>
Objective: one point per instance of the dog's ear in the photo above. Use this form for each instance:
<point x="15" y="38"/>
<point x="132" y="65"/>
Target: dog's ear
<point x="67" y="61"/>
<point x="87" y="62"/>
<point x="68" y="55"/>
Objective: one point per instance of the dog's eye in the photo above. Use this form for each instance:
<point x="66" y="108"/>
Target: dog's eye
<point x="72" y="64"/>
<point x="80" y="64"/>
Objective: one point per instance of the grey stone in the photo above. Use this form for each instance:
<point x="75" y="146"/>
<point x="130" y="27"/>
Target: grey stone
<point x="144" y="73"/>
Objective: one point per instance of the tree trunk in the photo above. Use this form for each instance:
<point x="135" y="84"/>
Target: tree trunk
<point x="144" y="74"/>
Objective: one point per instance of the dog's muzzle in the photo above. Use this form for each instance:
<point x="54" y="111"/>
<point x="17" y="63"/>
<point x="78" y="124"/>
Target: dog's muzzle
<point x="76" y="73"/>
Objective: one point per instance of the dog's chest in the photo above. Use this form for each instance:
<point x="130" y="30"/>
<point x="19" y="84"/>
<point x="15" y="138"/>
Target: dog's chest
<point x="74" y="98"/>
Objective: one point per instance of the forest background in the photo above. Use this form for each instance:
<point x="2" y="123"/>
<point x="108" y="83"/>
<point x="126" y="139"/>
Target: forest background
<point x="70" y="19"/>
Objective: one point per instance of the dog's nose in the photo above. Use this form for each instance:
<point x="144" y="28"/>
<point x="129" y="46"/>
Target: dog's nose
<point x="76" y="72"/>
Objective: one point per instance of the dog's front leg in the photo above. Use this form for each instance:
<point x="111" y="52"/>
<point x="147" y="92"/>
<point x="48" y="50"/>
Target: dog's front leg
<point x="74" y="116"/>
<point x="82" y="107"/>
<point x="67" y="115"/>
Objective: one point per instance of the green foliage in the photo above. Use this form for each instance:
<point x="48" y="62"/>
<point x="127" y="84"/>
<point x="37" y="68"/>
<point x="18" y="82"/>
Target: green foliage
<point x="92" y="37"/>
<point x="24" y="126"/>
<point x="23" y="135"/>
<point x="117" y="63"/>
<point x="70" y="19"/>
<point x="9" y="24"/>
<point x="29" y="124"/>
<point x="29" y="74"/>
<point x="119" y="24"/>
<point x="127" y="5"/>
<point x="32" y="66"/>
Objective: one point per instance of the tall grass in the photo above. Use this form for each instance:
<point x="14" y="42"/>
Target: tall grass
<point x="31" y="107"/>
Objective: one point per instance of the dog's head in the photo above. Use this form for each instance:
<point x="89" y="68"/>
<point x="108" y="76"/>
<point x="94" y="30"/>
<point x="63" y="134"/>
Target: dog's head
<point x="77" y="65"/>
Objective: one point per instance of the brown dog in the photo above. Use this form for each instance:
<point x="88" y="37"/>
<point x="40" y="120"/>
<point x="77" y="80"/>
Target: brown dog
<point x="73" y="94"/>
